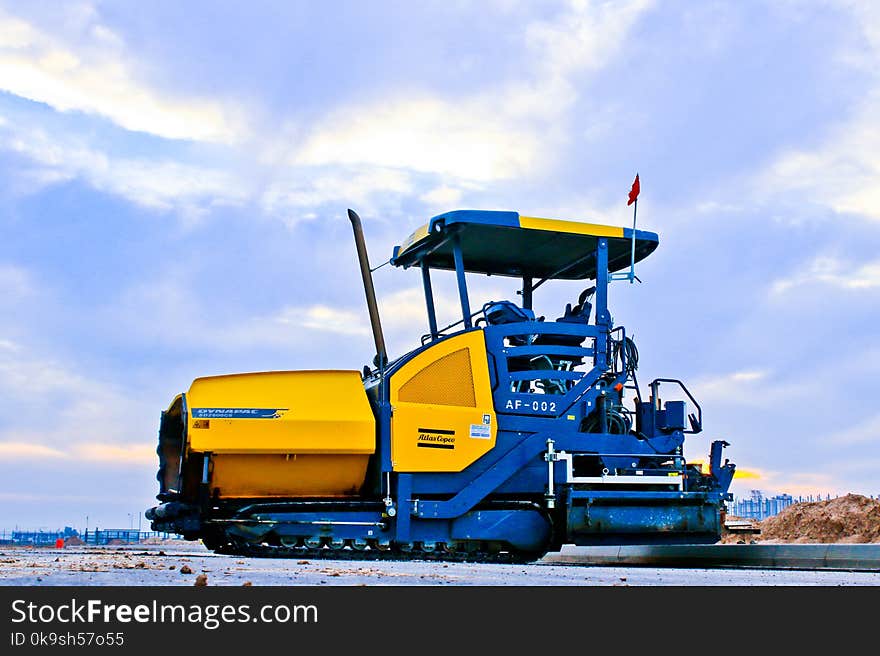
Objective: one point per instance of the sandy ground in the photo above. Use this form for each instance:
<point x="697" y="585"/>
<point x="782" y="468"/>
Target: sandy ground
<point x="177" y="563"/>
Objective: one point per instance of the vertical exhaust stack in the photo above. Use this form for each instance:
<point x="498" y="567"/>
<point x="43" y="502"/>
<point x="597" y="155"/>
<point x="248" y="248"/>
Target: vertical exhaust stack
<point x="369" y="291"/>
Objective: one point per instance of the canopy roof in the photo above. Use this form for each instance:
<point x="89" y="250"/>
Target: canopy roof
<point x="507" y="244"/>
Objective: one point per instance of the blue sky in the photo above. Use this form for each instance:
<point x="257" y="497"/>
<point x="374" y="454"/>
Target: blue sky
<point x="174" y="179"/>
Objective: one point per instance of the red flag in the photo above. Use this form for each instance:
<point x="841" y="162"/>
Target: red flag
<point x="634" y="192"/>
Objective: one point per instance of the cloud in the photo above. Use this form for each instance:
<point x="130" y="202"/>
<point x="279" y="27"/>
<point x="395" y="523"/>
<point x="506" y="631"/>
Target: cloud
<point x="754" y="388"/>
<point x="319" y="333"/>
<point x="325" y="319"/>
<point x="149" y="307"/>
<point x="162" y="184"/>
<point x="496" y="134"/>
<point x="442" y="197"/>
<point x="748" y="474"/>
<point x="803" y="483"/>
<point x="52" y="498"/>
<point x="53" y="411"/>
<point x="86" y="452"/>
<point x="866" y="431"/>
<point x="28" y="451"/>
<point x="144" y="453"/>
<point x="299" y="188"/>
<point x="828" y="270"/>
<point x="843" y="174"/>
<point x="413" y="143"/>
<point x="404" y="308"/>
<point x="172" y="184"/>
<point x="470" y="139"/>
<point x="15" y="282"/>
<point x="23" y="377"/>
<point x="404" y="311"/>
<point x="722" y="386"/>
<point x="772" y="481"/>
<point x="843" y="171"/>
<point x="90" y="69"/>
<point x="584" y="36"/>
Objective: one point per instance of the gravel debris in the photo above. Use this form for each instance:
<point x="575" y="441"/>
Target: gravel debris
<point x="88" y="565"/>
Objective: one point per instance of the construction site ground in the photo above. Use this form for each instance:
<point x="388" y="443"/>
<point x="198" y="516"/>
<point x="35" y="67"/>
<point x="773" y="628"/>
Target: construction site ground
<point x="187" y="563"/>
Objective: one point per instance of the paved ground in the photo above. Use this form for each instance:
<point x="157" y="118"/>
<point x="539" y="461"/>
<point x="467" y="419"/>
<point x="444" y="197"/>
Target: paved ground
<point x="162" y="565"/>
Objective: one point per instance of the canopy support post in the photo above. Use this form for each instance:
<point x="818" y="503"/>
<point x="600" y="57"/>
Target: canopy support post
<point x="603" y="318"/>
<point x="462" y="282"/>
<point x="527" y="292"/>
<point x="429" y="299"/>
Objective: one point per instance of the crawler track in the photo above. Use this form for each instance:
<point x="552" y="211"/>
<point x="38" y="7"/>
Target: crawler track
<point x="394" y="553"/>
<point x="224" y="539"/>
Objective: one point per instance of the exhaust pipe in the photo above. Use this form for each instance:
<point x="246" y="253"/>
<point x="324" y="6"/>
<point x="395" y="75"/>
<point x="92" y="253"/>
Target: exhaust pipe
<point x="381" y="356"/>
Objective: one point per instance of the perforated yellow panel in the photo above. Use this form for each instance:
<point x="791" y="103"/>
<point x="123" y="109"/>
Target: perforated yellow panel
<point x="448" y="381"/>
<point x="443" y="417"/>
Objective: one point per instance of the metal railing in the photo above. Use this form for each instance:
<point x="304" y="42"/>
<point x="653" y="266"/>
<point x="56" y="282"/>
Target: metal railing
<point x="42" y="538"/>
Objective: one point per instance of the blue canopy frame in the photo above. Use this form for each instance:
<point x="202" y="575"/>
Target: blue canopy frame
<point x="508" y="244"/>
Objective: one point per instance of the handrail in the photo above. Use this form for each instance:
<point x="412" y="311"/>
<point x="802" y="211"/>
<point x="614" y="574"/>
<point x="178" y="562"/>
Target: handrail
<point x="540" y="374"/>
<point x="548" y="349"/>
<point x="428" y="337"/>
<point x="696" y="422"/>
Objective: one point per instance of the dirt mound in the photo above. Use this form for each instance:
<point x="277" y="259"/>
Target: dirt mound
<point x="853" y="518"/>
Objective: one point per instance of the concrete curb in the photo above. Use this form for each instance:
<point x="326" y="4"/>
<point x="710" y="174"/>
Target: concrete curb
<point x="861" y="557"/>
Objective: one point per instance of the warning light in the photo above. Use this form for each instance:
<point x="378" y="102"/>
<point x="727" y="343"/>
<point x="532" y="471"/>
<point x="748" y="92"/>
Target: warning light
<point x="618" y="387"/>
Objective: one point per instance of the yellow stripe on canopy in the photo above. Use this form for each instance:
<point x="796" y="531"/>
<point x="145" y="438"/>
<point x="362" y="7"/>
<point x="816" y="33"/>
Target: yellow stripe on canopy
<point x="573" y="227"/>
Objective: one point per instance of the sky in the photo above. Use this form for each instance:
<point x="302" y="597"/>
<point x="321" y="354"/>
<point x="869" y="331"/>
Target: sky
<point x="174" y="179"/>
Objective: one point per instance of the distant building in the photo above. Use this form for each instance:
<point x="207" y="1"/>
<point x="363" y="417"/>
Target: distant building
<point x="759" y="507"/>
<point x="37" y="538"/>
<point x="95" y="537"/>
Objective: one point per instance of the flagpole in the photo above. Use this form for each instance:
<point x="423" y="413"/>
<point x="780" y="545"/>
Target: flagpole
<point x="632" y="262"/>
<point x="634" y="201"/>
